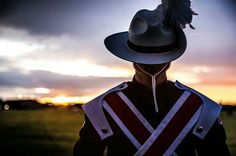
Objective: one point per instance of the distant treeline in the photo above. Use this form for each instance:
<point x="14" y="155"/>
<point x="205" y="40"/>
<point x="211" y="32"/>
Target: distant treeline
<point x="229" y="109"/>
<point x="28" y="104"/>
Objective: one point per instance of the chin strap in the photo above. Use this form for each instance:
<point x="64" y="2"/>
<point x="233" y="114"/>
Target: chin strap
<point x="153" y="84"/>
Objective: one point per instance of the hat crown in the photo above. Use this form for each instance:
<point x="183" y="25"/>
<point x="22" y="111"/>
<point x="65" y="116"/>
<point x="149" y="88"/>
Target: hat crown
<point x="148" y="28"/>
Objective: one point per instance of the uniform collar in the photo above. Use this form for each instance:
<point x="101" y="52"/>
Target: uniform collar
<point x="145" y="88"/>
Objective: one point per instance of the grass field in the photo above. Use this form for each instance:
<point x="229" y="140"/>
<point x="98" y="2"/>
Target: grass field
<point x="230" y="127"/>
<point x="39" y="132"/>
<point x="50" y="132"/>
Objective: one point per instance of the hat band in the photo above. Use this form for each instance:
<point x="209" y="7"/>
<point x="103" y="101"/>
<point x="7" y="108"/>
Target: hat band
<point x="152" y="49"/>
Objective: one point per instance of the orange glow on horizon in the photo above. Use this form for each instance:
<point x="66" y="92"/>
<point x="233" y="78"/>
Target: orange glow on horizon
<point x="206" y="79"/>
<point x="221" y="94"/>
<point x="66" y="100"/>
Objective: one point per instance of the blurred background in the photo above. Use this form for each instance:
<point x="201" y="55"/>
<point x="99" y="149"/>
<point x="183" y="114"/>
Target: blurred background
<point x="52" y="60"/>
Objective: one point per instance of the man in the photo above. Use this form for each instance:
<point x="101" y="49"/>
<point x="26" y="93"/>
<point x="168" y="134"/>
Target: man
<point x="151" y="115"/>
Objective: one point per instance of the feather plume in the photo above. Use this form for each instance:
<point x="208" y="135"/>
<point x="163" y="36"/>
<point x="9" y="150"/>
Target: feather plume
<point x="178" y="12"/>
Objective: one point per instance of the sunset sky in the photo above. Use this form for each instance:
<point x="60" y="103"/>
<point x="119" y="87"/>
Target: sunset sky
<point x="53" y="49"/>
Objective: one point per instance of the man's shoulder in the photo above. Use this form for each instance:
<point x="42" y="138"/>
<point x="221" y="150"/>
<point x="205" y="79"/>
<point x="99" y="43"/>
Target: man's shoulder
<point x="204" y="99"/>
<point x="96" y="103"/>
<point x="94" y="112"/>
<point x="209" y="113"/>
<point x="99" y="98"/>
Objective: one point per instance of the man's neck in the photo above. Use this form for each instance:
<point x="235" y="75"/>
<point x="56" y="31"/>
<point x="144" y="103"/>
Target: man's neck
<point x="146" y="80"/>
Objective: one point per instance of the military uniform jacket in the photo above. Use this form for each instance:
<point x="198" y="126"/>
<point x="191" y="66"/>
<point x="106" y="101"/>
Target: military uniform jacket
<point x="100" y="133"/>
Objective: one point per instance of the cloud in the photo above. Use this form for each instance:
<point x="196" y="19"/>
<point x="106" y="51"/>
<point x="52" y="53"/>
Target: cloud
<point x="72" y="85"/>
<point x="39" y="16"/>
<point x="18" y="45"/>
<point x="90" y="21"/>
<point x="203" y="75"/>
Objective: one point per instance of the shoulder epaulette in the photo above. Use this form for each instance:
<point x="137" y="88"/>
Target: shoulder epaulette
<point x="95" y="114"/>
<point x="210" y="112"/>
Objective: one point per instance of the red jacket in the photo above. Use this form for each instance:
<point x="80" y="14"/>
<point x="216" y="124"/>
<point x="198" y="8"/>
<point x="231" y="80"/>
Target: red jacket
<point x="91" y="143"/>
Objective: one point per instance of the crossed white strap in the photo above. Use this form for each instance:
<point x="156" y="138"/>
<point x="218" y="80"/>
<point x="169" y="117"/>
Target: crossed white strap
<point x="149" y="141"/>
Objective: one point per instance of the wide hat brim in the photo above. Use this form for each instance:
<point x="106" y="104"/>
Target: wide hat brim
<point x="117" y="45"/>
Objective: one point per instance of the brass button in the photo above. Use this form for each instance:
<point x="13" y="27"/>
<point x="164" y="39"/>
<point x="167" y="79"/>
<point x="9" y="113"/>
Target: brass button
<point x="104" y="130"/>
<point x="199" y="129"/>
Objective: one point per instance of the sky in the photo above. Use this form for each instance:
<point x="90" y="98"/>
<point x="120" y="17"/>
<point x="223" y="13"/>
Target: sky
<point x="53" y="49"/>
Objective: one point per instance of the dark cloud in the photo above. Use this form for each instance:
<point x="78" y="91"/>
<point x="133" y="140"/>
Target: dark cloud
<point x="38" y="16"/>
<point x="55" y="17"/>
<point x="78" y="85"/>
